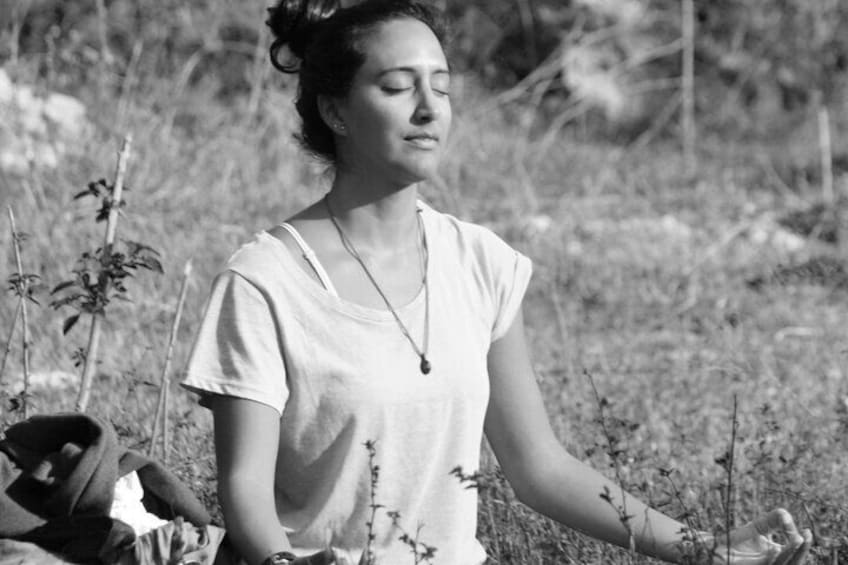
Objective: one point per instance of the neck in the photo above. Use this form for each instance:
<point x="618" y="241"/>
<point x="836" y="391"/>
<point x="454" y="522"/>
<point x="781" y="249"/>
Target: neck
<point x="375" y="219"/>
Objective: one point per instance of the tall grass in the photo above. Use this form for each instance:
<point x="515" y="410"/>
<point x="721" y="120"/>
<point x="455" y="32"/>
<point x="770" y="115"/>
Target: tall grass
<point x="640" y="279"/>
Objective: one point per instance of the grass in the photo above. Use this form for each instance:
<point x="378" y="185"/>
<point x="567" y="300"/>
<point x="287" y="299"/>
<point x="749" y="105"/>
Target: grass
<point x="640" y="279"/>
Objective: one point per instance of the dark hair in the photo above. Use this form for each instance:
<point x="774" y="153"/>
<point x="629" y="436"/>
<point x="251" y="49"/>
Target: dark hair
<point x="321" y="41"/>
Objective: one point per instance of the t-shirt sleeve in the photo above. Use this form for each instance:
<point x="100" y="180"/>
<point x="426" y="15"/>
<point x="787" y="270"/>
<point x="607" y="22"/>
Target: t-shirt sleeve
<point x="510" y="293"/>
<point x="237" y="350"/>
<point x="508" y="273"/>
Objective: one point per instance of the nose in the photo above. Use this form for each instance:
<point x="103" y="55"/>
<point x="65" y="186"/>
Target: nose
<point x="427" y="109"/>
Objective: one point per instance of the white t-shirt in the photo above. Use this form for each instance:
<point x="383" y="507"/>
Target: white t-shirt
<point x="341" y="374"/>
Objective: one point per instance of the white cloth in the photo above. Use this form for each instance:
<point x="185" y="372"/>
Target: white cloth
<point x="128" y="508"/>
<point x="341" y="374"/>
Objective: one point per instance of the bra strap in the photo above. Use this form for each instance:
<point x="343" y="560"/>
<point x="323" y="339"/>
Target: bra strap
<point x="311" y="258"/>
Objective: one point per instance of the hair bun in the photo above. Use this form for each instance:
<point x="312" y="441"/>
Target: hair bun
<point x="293" y="23"/>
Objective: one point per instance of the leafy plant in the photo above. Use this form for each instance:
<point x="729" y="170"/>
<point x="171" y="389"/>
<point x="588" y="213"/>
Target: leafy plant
<point x="25" y="286"/>
<point x="100" y="276"/>
<point x="421" y="552"/>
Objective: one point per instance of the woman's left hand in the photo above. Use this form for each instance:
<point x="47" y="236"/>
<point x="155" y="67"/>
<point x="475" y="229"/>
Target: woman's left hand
<point x="752" y="543"/>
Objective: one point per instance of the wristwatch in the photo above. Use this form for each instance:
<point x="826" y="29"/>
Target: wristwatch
<point x="280" y="558"/>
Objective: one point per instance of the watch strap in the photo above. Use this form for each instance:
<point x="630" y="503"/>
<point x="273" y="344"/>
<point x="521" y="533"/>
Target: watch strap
<point x="280" y="558"/>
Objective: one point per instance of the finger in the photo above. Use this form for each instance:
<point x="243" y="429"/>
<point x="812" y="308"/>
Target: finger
<point x="787" y="552"/>
<point x="796" y="549"/>
<point x="780" y="520"/>
<point x="802" y="551"/>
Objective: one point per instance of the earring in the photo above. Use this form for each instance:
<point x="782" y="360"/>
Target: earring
<point x="340" y="127"/>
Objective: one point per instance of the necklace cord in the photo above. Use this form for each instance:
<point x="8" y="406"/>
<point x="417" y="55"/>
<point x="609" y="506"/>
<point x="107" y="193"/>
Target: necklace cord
<point x="424" y="257"/>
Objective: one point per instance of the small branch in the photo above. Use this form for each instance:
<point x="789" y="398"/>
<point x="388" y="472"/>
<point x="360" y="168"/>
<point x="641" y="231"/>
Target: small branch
<point x="658" y="123"/>
<point x="96" y="319"/>
<point x="23" y="310"/>
<point x="623" y="516"/>
<point x="826" y="152"/>
<point x="525" y="12"/>
<point x="112" y="222"/>
<point x="368" y="555"/>
<point x="102" y="26"/>
<point x="688" y="86"/>
<point x="8" y="347"/>
<point x="259" y="72"/>
<point x="729" y="469"/>
<point x="165" y="382"/>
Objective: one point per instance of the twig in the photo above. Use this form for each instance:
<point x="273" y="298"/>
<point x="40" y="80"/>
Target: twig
<point x="162" y="404"/>
<point x="660" y="122"/>
<point x="375" y="477"/>
<point x="528" y="30"/>
<point x="826" y="155"/>
<point x="127" y="84"/>
<point x="731" y="234"/>
<point x="623" y="517"/>
<point x="105" y="54"/>
<point x="728" y="511"/>
<point x="259" y="72"/>
<point x="8" y="347"/>
<point x="573" y="111"/>
<point x="691" y="531"/>
<point x="688" y="86"/>
<point x="96" y="318"/>
<point x="19" y="11"/>
<point x="23" y="308"/>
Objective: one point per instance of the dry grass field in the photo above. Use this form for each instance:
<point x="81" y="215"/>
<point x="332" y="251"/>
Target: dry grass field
<point x="674" y="295"/>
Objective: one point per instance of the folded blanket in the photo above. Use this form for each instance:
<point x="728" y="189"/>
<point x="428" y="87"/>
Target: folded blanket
<point x="57" y="481"/>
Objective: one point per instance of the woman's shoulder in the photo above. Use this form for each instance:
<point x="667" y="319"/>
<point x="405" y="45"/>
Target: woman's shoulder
<point x="254" y="257"/>
<point x="465" y="235"/>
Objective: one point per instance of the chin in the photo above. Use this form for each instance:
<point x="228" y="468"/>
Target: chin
<point x="419" y="175"/>
<point x="418" y="171"/>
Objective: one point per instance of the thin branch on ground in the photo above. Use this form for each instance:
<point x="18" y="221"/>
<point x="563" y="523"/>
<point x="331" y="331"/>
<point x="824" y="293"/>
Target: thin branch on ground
<point x="165" y="381"/>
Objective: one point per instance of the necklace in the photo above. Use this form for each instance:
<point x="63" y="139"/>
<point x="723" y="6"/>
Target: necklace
<point x="424" y="256"/>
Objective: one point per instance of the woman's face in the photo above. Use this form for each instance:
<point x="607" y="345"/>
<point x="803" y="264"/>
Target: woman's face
<point x="397" y="114"/>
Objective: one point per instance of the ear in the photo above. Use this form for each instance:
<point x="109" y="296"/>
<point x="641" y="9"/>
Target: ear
<point x="329" y="110"/>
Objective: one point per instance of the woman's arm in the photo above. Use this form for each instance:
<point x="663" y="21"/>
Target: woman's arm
<point x="546" y="477"/>
<point x="247" y="434"/>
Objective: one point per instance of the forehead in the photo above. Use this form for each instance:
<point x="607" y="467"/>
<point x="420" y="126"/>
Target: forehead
<point x="402" y="43"/>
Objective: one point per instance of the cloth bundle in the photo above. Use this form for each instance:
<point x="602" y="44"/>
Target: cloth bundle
<point x="57" y="484"/>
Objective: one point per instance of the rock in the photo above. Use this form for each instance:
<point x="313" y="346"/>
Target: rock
<point x="35" y="130"/>
<point x="53" y="380"/>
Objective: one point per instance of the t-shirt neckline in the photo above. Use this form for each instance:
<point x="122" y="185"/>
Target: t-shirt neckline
<point x="317" y="290"/>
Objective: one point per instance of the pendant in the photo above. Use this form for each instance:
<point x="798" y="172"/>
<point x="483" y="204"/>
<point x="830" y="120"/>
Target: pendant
<point x="425" y="365"/>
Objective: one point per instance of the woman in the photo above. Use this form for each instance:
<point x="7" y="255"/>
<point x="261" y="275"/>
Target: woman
<point x="370" y="317"/>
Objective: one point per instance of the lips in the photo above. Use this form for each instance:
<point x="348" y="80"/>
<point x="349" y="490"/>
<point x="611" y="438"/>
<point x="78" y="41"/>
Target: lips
<point x="424" y="140"/>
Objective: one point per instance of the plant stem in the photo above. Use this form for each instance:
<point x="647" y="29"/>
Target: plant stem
<point x="688" y="86"/>
<point x="8" y="347"/>
<point x="826" y="151"/>
<point x="96" y="317"/>
<point x="374" y="472"/>
<point x="623" y="517"/>
<point x="729" y="501"/>
<point x="23" y="310"/>
<point x="165" y="382"/>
